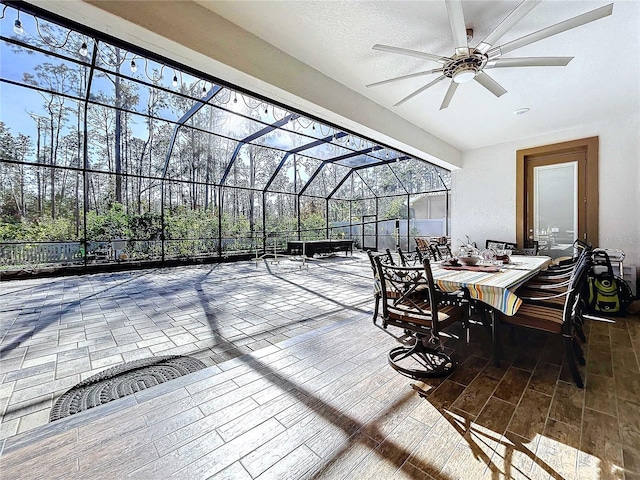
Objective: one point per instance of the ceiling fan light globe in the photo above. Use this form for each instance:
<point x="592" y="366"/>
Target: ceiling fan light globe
<point x="463" y="76"/>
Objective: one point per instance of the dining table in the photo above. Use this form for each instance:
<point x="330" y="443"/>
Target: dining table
<point x="495" y="286"/>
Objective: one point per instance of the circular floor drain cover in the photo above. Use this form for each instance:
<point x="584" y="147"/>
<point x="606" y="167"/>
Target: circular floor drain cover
<point x="122" y="380"/>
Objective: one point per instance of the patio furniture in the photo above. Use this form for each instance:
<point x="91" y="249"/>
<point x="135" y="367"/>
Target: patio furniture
<point x="432" y="250"/>
<point x="500" y="245"/>
<point x="410" y="259"/>
<point x="492" y="291"/>
<point x="309" y="248"/>
<point x="530" y="252"/>
<point x="411" y="301"/>
<point x="377" y="289"/>
<point x="558" y="321"/>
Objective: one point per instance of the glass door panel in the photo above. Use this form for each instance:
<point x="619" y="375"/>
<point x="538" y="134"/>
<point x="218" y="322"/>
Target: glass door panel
<point x="555" y="212"/>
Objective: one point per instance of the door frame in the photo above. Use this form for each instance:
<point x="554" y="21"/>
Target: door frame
<point x="587" y="145"/>
<point x="364" y="224"/>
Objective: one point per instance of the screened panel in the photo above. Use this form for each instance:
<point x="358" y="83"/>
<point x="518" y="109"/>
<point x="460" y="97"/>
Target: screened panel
<point x="310" y="129"/>
<point x="313" y="220"/>
<point x="174" y="165"/>
<point x="190" y="230"/>
<point x="327" y="180"/>
<point x="393" y="207"/>
<point x="430" y="214"/>
<point x="198" y="156"/>
<point x="360" y="208"/>
<point x="418" y="176"/>
<point x="149" y="99"/>
<point x="282" y="215"/>
<point x="339" y="218"/>
<point x="241" y="220"/>
<point x="282" y="140"/>
<point x="287" y="177"/>
<point x="380" y="181"/>
<point x="327" y="151"/>
<point x="251" y="166"/>
<point x="306" y="168"/>
<point x="44" y="35"/>
<point x="354" y="188"/>
<point x="226" y="123"/>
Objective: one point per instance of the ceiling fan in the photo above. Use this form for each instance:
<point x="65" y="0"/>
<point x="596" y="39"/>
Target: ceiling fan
<point x="469" y="63"/>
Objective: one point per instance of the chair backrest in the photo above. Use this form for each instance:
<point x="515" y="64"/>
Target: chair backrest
<point x="573" y="302"/>
<point x="385" y="258"/>
<point x="532" y="244"/>
<point x="410" y="259"/>
<point x="427" y="249"/>
<point x="527" y="251"/>
<point x="500" y="245"/>
<point x="409" y="298"/>
<point x="422" y="244"/>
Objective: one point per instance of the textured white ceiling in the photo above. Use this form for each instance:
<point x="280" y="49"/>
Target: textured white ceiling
<point x="335" y="37"/>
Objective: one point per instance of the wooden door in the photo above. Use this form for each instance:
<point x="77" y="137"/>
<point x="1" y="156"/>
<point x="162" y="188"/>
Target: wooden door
<point x="557" y="195"/>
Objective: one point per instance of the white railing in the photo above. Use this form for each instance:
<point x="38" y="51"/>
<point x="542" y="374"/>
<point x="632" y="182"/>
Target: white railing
<point x="40" y="253"/>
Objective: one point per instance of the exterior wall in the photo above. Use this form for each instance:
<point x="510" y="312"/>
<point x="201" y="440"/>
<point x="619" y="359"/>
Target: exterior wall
<point x="483" y="199"/>
<point x="430" y="206"/>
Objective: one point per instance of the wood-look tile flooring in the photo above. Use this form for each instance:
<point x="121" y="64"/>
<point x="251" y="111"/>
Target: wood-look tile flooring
<point x="325" y="404"/>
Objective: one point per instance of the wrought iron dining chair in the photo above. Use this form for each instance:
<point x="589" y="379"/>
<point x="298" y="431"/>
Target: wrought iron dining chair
<point x="410" y="259"/>
<point x="386" y="258"/>
<point x="431" y="250"/>
<point x="500" y="245"/>
<point x="411" y="301"/>
<point x="526" y="251"/>
<point x="564" y="321"/>
<point x="424" y="247"/>
<point x="550" y="289"/>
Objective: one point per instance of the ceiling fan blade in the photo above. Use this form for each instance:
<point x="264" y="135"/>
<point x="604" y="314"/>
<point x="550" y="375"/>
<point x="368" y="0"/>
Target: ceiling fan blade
<point x="574" y="22"/>
<point x="404" y="77"/>
<point x="529" y="62"/>
<point x="420" y="90"/>
<point x="458" y="27"/>
<point x="411" y="53"/>
<point x="514" y="17"/>
<point x="490" y="84"/>
<point x="447" y="98"/>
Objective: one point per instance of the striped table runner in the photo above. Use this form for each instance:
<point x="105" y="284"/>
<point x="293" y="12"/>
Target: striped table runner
<point x="494" y="289"/>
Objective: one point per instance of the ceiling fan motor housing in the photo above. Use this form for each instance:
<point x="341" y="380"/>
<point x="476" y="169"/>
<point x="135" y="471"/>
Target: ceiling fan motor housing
<point x="463" y="68"/>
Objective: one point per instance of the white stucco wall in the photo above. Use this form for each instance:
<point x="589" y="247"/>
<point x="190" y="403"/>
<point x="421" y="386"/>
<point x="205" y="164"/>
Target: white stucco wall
<point x="484" y="190"/>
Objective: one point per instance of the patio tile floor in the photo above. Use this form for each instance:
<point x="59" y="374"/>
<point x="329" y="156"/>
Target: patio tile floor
<point x="318" y="400"/>
<point x="56" y="332"/>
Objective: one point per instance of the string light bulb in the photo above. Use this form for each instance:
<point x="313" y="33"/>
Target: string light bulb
<point x="84" y="51"/>
<point x="18" y="29"/>
<point x="235" y="97"/>
<point x="204" y="90"/>
<point x="175" y="80"/>
<point x="134" y="67"/>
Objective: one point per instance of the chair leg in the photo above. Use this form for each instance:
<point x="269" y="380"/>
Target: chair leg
<point x="568" y="346"/>
<point x="427" y="361"/>
<point x="577" y="350"/>
<point x="376" y="302"/>
<point x="580" y="332"/>
<point x="495" y="336"/>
